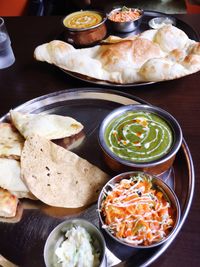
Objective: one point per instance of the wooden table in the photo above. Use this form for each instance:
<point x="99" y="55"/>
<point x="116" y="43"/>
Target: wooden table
<point x="28" y="79"/>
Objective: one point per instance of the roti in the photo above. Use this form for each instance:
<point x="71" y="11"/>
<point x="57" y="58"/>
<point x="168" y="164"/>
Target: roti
<point x="11" y="141"/>
<point x="59" y="177"/>
<point x="51" y="126"/>
<point x="154" y="55"/>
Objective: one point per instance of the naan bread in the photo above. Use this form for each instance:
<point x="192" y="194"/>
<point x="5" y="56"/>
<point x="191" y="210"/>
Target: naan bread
<point x="59" y="177"/>
<point x="50" y="126"/>
<point x="11" y="141"/>
<point x="8" y="204"/>
<point x="10" y="178"/>
<point x="128" y="60"/>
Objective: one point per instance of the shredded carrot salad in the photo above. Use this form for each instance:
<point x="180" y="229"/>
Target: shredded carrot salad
<point x="124" y="15"/>
<point x="137" y="212"/>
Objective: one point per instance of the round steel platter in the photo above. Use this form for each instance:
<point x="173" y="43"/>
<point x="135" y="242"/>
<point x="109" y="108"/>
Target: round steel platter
<point x="22" y="241"/>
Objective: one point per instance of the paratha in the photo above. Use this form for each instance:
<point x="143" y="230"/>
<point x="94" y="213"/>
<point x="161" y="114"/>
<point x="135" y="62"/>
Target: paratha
<point x="51" y="126"/>
<point x="59" y="177"/>
<point x="11" y="141"/>
<point x="154" y="55"/>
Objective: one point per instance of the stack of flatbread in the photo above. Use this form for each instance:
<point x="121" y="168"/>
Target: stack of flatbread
<point x="154" y="55"/>
<point x="32" y="166"/>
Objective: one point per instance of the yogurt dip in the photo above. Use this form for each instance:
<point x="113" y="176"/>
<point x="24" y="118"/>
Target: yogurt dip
<point x="139" y="136"/>
<point x="77" y="250"/>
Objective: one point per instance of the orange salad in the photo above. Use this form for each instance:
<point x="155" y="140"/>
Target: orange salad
<point x="124" y="14"/>
<point x="137" y="212"/>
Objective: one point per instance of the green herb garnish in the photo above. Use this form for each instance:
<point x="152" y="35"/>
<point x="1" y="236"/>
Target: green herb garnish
<point x="124" y="9"/>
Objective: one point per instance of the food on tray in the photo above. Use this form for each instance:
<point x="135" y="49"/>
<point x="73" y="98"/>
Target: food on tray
<point x="137" y="211"/>
<point x="50" y="126"/>
<point x="124" y="14"/>
<point x="10" y="178"/>
<point x="155" y="55"/>
<point x="59" y="177"/>
<point x="8" y="204"/>
<point x="139" y="136"/>
<point x="77" y="249"/>
<point x="82" y="19"/>
<point x="11" y="141"/>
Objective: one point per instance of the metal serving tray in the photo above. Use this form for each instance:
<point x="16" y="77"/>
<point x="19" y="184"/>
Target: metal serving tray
<point x="22" y="240"/>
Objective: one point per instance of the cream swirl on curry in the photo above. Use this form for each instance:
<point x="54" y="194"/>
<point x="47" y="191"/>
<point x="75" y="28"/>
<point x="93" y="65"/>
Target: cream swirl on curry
<point x="82" y="19"/>
<point x="139" y="136"/>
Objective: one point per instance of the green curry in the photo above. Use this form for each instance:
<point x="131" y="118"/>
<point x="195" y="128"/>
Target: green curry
<point x="139" y="136"/>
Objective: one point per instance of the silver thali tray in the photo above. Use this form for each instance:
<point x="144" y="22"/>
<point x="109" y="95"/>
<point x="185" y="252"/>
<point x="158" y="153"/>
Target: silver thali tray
<point x="22" y="240"/>
<point x="148" y="15"/>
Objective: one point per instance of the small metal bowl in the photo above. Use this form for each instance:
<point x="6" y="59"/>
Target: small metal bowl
<point x="56" y="237"/>
<point x="88" y="36"/>
<point x="157" y="166"/>
<point x="157" y="183"/>
<point x="127" y="26"/>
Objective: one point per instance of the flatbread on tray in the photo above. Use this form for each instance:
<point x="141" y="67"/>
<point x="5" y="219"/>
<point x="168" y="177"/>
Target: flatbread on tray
<point x="154" y="55"/>
<point x="59" y="177"/>
<point x="11" y="141"/>
<point x="50" y="126"/>
<point x="10" y="178"/>
<point x="8" y="204"/>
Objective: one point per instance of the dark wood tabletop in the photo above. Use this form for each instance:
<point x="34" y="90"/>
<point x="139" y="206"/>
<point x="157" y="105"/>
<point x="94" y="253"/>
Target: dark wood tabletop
<point x="27" y="79"/>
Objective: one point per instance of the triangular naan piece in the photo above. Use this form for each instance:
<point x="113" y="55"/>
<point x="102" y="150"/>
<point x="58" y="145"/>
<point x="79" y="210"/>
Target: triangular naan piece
<point x="59" y="177"/>
<point x="50" y="126"/>
<point x="10" y="178"/>
<point x="8" y="204"/>
<point x="150" y="56"/>
<point x="11" y="141"/>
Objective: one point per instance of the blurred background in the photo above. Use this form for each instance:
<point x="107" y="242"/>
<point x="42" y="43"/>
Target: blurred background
<point x="63" y="7"/>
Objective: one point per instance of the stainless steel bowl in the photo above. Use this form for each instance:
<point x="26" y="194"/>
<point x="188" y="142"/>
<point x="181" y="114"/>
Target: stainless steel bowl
<point x="157" y="182"/>
<point x="127" y="26"/>
<point x="56" y="237"/>
<point x="157" y="166"/>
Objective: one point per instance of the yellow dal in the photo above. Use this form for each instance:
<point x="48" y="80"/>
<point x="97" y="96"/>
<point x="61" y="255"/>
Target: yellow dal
<point x="82" y="20"/>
